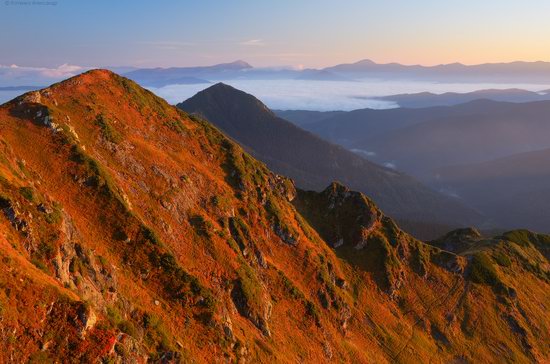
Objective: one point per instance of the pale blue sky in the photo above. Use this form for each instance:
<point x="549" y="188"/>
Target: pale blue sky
<point x="312" y="33"/>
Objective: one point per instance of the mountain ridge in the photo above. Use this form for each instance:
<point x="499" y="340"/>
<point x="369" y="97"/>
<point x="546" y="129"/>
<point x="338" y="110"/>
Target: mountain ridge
<point x="133" y="232"/>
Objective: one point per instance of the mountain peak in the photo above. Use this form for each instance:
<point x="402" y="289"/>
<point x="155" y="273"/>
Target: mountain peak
<point x="241" y="63"/>
<point x="215" y="102"/>
<point x="91" y="76"/>
<point x="222" y="86"/>
<point x="99" y="82"/>
<point x="235" y="65"/>
<point x="366" y="62"/>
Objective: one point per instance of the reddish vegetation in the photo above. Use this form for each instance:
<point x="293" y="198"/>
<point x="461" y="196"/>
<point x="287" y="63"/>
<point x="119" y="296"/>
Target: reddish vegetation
<point x="130" y="231"/>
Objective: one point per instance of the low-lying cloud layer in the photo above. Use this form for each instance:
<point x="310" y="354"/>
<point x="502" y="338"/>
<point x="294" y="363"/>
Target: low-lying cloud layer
<point x="326" y="95"/>
<point x="284" y="94"/>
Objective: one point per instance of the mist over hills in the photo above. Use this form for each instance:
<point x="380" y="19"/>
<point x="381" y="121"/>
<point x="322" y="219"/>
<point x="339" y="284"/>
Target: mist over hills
<point x="514" y="188"/>
<point x="471" y="132"/>
<point x="476" y="132"/>
<point x="454" y="149"/>
<point x="514" y="72"/>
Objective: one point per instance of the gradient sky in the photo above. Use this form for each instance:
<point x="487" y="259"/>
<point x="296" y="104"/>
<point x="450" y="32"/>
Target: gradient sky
<point x="312" y="33"/>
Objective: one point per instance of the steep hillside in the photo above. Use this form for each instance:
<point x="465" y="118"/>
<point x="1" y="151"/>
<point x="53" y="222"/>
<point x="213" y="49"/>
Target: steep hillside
<point x="314" y="163"/>
<point x="130" y="232"/>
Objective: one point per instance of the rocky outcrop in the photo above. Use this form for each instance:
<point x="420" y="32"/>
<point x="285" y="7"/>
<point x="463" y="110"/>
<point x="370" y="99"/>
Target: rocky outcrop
<point x="342" y="217"/>
<point x="458" y="240"/>
<point x="253" y="303"/>
<point x="77" y="267"/>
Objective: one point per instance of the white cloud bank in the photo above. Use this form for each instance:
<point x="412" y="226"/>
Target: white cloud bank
<point x="14" y="75"/>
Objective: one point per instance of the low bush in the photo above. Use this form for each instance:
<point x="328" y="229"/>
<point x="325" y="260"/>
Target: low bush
<point x="108" y="131"/>
<point x="27" y="193"/>
<point x="481" y="270"/>
<point x="502" y="259"/>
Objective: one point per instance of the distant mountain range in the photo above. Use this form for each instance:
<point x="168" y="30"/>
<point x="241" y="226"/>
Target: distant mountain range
<point x="515" y="72"/>
<point x="303" y="117"/>
<point x="313" y="162"/>
<point x="428" y="99"/>
<point x="523" y="72"/>
<point x="158" y="77"/>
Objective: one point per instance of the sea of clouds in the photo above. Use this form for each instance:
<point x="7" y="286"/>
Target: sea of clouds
<point x="276" y="94"/>
<point x="329" y="95"/>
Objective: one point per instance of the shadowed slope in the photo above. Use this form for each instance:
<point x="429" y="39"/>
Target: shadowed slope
<point x="314" y="163"/>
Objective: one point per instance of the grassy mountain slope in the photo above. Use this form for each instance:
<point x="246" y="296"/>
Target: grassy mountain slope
<point x="132" y="232"/>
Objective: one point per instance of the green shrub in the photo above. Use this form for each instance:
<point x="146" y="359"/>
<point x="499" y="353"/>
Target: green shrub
<point x="3" y="180"/>
<point x="108" y="131"/>
<point x="46" y="250"/>
<point x="290" y="288"/>
<point x="502" y="259"/>
<point x="202" y="226"/>
<point x="96" y="176"/>
<point x="40" y="357"/>
<point x="521" y="237"/>
<point x="40" y="265"/>
<point x="127" y="327"/>
<point x="176" y="126"/>
<point x="27" y="193"/>
<point x="482" y="270"/>
<point x="76" y="266"/>
<point x="313" y="312"/>
<point x="102" y="261"/>
<point x="250" y="286"/>
<point x="156" y="333"/>
<point x="168" y="262"/>
<point x="150" y="236"/>
<point x="114" y="315"/>
<point x="56" y="216"/>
